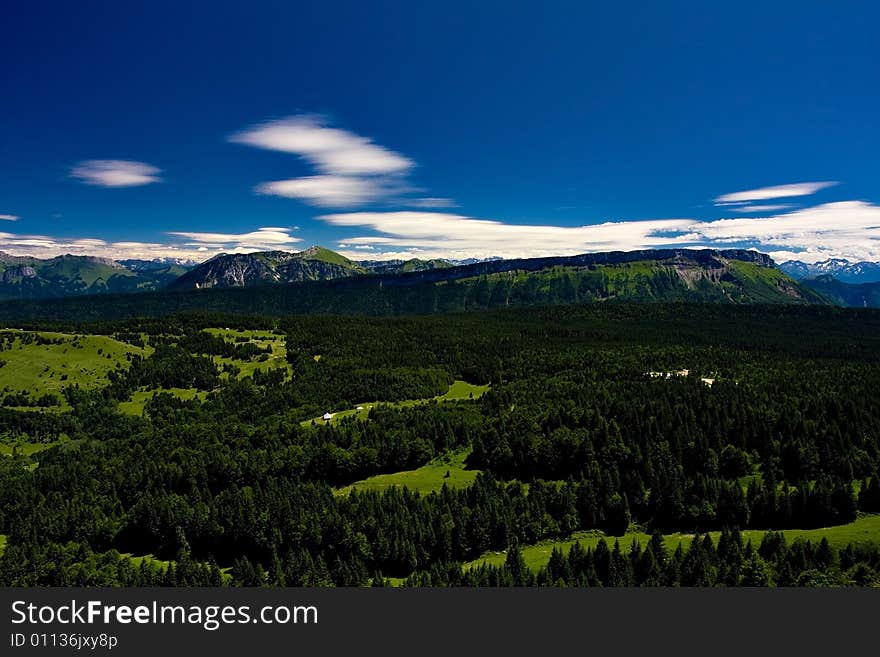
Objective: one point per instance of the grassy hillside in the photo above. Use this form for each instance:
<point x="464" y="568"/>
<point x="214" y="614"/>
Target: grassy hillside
<point x="864" y="529"/>
<point x="62" y="359"/>
<point x="458" y="390"/>
<point x="263" y="339"/>
<point x="448" y="470"/>
<point x="320" y="254"/>
<point x="274" y="359"/>
<point x="135" y="405"/>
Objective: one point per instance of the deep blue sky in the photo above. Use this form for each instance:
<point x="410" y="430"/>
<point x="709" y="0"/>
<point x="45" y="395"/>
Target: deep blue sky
<point x="562" y="114"/>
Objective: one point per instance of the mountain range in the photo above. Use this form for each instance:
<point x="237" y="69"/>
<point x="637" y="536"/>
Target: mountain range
<point x="318" y="280"/>
<point x="844" y="271"/>
<point x="703" y="275"/>
<point x="25" y="277"/>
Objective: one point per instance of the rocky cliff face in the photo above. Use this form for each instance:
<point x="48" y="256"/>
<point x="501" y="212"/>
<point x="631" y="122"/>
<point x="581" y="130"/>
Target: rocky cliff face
<point x="16" y="273"/>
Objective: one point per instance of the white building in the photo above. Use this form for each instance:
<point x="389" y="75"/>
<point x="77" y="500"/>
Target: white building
<point x="327" y="416"/>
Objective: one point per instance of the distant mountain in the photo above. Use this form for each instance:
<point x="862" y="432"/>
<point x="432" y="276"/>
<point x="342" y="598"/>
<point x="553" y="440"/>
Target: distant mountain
<point x="681" y="275"/>
<point x="268" y="267"/>
<point x="404" y="266"/>
<point x="471" y="261"/>
<point x="857" y="295"/>
<point x="158" y="264"/>
<point x="843" y="270"/>
<point x="163" y="271"/>
<point x="24" y="277"/>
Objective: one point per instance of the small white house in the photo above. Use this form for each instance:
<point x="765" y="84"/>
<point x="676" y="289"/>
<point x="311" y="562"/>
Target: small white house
<point x="359" y="408"/>
<point x="327" y="416"/>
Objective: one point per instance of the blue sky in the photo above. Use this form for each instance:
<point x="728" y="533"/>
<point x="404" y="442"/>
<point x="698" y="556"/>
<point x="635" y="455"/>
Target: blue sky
<point x="471" y="129"/>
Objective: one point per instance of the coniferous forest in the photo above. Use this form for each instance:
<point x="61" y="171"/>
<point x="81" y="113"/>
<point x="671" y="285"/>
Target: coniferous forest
<point x="704" y="421"/>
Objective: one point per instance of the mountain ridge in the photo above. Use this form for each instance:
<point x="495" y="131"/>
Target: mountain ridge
<point x="648" y="276"/>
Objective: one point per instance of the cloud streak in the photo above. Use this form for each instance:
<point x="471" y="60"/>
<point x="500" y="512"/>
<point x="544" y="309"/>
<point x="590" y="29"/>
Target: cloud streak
<point x="115" y="173"/>
<point x="9" y="217"/>
<point x="778" y="191"/>
<point x="760" y="208"/>
<point x="329" y="191"/>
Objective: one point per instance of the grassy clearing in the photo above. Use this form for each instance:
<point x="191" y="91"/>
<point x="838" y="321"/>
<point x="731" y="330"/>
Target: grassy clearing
<point x="137" y="560"/>
<point x="84" y="360"/>
<point x="864" y="529"/>
<point x="25" y="449"/>
<point x="277" y="358"/>
<point x="162" y="564"/>
<point x="427" y="479"/>
<point x="457" y="391"/>
<point x="2" y="543"/>
<point x="135" y="405"/>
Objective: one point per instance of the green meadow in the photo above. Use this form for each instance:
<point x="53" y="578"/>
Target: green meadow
<point x="865" y="529"/>
<point x="78" y="359"/>
<point x="135" y="405"/>
<point x="457" y="391"/>
<point x="24" y="449"/>
<point x="447" y="469"/>
<point x="277" y="358"/>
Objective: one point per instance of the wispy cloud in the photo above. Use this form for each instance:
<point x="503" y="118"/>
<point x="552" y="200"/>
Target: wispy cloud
<point x="432" y="202"/>
<point x="777" y="191"/>
<point x="350" y="170"/>
<point x="760" y="208"/>
<point x="262" y="239"/>
<point x="9" y="217"/>
<point x="329" y="191"/>
<point x="115" y="173"/>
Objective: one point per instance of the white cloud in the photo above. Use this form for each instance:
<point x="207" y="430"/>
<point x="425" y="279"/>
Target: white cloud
<point x="350" y="170"/>
<point x="329" y="150"/>
<point x="436" y="234"/>
<point x="9" y="217"/>
<point x="848" y="229"/>
<point x="189" y="245"/>
<point x="326" y="191"/>
<point x="844" y="229"/>
<point x="778" y="191"/>
<point x="115" y="173"/>
<point x="263" y="239"/>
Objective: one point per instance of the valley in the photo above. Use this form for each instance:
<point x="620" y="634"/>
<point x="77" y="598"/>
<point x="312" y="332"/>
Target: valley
<point x="491" y="438"/>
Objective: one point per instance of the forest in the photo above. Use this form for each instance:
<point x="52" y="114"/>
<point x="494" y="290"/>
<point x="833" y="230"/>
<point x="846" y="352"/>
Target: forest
<point x="614" y="419"/>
